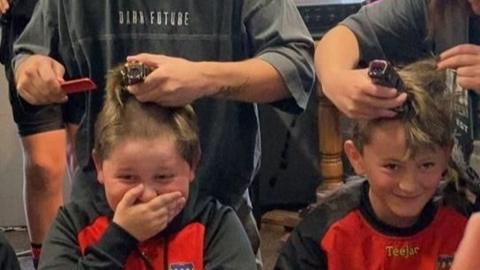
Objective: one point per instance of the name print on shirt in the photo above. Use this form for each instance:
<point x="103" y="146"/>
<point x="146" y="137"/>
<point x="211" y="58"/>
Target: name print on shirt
<point x="404" y="251"/>
<point x="159" y="17"/>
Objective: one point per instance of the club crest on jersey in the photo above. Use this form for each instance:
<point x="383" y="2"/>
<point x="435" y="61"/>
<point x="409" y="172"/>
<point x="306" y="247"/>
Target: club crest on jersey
<point x="181" y="266"/>
<point x="444" y="262"/>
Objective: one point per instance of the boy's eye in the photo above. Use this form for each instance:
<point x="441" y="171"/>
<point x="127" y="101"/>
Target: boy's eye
<point x="163" y="177"/>
<point x="428" y="165"/>
<point x="391" y="166"/>
<point x="127" y="177"/>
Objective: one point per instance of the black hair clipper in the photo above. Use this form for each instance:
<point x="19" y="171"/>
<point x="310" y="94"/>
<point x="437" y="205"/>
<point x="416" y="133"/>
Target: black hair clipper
<point x="382" y="73"/>
<point x="134" y="72"/>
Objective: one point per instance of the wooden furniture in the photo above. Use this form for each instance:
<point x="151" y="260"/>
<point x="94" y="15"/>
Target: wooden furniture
<point x="330" y="146"/>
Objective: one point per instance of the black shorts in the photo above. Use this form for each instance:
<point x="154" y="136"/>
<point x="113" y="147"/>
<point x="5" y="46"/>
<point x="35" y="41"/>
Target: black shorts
<point x="32" y="119"/>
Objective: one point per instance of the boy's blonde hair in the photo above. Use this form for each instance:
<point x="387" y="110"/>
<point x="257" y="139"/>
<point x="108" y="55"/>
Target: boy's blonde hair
<point x="429" y="120"/>
<point x="124" y="117"/>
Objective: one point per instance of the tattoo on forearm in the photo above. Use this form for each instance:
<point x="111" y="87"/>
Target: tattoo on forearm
<point x="229" y="91"/>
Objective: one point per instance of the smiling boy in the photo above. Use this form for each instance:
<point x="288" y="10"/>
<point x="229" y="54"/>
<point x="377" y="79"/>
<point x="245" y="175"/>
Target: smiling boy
<point x="147" y="217"/>
<point x="390" y="221"/>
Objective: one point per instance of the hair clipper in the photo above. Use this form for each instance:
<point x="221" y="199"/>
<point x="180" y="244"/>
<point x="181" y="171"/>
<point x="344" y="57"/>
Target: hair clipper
<point x="382" y="73"/>
<point x="134" y="72"/>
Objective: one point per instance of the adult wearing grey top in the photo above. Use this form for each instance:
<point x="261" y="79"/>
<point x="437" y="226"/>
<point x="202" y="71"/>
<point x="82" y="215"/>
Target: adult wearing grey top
<point x="400" y="31"/>
<point x="224" y="56"/>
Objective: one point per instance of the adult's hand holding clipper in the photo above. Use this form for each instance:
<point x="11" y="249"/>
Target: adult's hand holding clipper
<point x="134" y="72"/>
<point x="382" y="73"/>
<point x="173" y="81"/>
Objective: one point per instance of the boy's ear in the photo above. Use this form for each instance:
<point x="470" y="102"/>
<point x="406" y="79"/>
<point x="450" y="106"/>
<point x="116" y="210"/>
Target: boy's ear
<point x="194" y="164"/>
<point x="355" y="157"/>
<point x="98" y="165"/>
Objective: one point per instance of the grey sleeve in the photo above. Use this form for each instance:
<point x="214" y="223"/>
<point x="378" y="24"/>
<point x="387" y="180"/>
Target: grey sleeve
<point x="391" y="29"/>
<point x="61" y="249"/>
<point x="227" y="246"/>
<point x="277" y="34"/>
<point x="40" y="34"/>
<point x="301" y="252"/>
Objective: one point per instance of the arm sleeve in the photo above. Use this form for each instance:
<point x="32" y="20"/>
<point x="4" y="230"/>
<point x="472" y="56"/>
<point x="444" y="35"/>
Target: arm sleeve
<point x="47" y="33"/>
<point x="301" y="252"/>
<point x="391" y="29"/>
<point x="277" y="34"/>
<point x="41" y="35"/>
<point x="8" y="258"/>
<point x="227" y="246"/>
<point x="61" y="249"/>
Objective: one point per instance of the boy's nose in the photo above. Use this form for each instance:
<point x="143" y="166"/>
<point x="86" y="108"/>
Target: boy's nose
<point x="409" y="183"/>
<point x="148" y="194"/>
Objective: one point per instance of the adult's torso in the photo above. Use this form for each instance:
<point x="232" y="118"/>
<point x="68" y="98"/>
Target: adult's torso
<point x="104" y="33"/>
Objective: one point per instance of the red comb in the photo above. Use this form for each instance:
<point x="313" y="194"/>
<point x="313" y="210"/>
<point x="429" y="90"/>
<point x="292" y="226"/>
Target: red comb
<point x="78" y="85"/>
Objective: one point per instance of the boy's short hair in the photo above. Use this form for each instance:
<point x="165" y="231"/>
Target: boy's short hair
<point x="124" y="117"/>
<point x="429" y="120"/>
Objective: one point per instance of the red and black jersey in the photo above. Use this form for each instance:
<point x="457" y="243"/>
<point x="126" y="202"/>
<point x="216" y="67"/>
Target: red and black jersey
<point x="345" y="234"/>
<point x="83" y="236"/>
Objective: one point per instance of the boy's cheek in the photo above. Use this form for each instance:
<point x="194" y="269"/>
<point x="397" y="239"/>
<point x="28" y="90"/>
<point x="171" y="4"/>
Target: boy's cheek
<point x="112" y="202"/>
<point x="432" y="180"/>
<point x="114" y="196"/>
<point x="180" y="185"/>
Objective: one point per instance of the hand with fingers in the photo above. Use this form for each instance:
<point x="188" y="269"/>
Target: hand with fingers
<point x="39" y="79"/>
<point x="173" y="82"/>
<point x="465" y="58"/>
<point x="355" y="94"/>
<point x="146" y="219"/>
<point x="4" y="6"/>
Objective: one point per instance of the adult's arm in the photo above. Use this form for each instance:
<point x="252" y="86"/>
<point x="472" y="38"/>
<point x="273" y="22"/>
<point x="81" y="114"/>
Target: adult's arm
<point x="389" y="29"/>
<point x="280" y="64"/>
<point x="466" y="257"/>
<point x="37" y="74"/>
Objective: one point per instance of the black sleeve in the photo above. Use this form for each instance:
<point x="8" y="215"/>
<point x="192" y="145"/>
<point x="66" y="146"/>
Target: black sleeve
<point x="226" y="245"/>
<point x="301" y="252"/>
<point x="8" y="258"/>
<point x="61" y="249"/>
